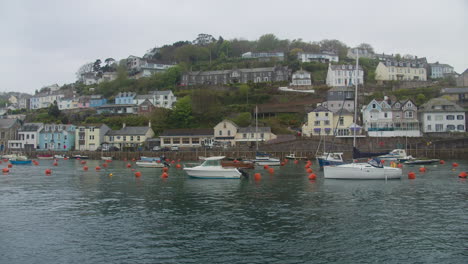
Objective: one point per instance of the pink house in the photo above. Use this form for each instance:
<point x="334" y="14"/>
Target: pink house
<point x="83" y="101"/>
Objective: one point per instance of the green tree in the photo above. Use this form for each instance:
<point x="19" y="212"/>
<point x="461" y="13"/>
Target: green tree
<point x="420" y="99"/>
<point x="181" y="116"/>
<point x="54" y="110"/>
<point x="243" y="119"/>
<point x="268" y="42"/>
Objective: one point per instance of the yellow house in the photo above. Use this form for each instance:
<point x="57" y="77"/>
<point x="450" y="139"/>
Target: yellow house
<point x="129" y="137"/>
<point x="400" y="71"/>
<point x="90" y="136"/>
<point x="322" y="121"/>
<point x="225" y="131"/>
<point x="253" y="134"/>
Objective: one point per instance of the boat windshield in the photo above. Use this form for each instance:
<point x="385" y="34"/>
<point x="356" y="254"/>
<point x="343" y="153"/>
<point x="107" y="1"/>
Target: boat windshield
<point x="211" y="163"/>
<point x="375" y="162"/>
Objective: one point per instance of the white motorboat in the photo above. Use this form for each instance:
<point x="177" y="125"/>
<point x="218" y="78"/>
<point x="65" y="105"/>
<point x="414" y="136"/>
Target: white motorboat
<point x="211" y="169"/>
<point x="106" y="158"/>
<point x="372" y="170"/>
<point x="330" y="158"/>
<point x="395" y="155"/>
<point x="293" y="156"/>
<point x="149" y="164"/>
<point x="60" y="157"/>
<point x="265" y="159"/>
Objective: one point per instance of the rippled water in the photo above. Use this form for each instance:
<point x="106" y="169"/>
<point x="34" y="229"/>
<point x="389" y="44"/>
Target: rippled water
<point x="74" y="216"/>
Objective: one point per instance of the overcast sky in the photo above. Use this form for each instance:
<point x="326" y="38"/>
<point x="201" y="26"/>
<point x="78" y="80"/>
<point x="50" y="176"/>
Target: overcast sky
<point x="45" y="42"/>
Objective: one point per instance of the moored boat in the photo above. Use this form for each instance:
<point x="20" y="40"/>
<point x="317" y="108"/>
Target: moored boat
<point x="421" y="161"/>
<point x="143" y="158"/>
<point x="106" y="158"/>
<point x="395" y="155"/>
<point x="20" y="162"/>
<point x="149" y="164"/>
<point x="265" y="159"/>
<point x="372" y="170"/>
<point x="293" y="156"/>
<point x="80" y="157"/>
<point x="330" y="158"/>
<point x="211" y="169"/>
<point x="45" y="156"/>
<point x="60" y="156"/>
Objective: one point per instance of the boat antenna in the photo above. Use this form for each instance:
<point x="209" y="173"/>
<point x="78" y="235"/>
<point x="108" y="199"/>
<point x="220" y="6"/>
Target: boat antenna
<point x="356" y="80"/>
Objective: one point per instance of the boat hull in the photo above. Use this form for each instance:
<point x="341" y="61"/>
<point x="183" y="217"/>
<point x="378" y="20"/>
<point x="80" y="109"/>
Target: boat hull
<point x="268" y="162"/>
<point x="20" y="162"/>
<point x="361" y="171"/>
<point x="149" y="164"/>
<point x="421" y="162"/>
<point x="213" y="173"/>
<point x="46" y="157"/>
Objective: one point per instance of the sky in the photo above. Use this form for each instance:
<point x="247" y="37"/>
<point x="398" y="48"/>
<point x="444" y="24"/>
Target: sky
<point x="45" y="42"/>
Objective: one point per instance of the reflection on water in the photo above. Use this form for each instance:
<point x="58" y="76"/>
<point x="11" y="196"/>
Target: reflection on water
<point x="74" y="216"/>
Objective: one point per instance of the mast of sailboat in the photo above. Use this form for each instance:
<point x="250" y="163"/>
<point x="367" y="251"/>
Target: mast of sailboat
<point x="356" y="80"/>
<point x="256" y="127"/>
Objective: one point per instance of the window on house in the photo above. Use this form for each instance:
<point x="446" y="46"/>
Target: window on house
<point x="131" y="138"/>
<point x="220" y="132"/>
<point x="316" y="114"/>
<point x="450" y="117"/>
<point x="244" y="135"/>
<point x="176" y="141"/>
<point x="460" y="117"/>
<point x="32" y="136"/>
<point x="186" y="141"/>
<point x="91" y="129"/>
<point x="429" y="118"/>
<point x="82" y="129"/>
<point x="27" y="136"/>
<point x="450" y="127"/>
<point x="229" y="132"/>
<point x="195" y="141"/>
<point x="341" y="122"/>
<point x="124" y="138"/>
<point x="326" y="122"/>
<point x="461" y="127"/>
<point x="224" y="125"/>
<point x="252" y="135"/>
<point x="385" y="115"/>
<point x="167" y="141"/>
<point x="409" y="114"/>
<point x="439" y="127"/>
<point x="316" y="123"/>
<point x="138" y="138"/>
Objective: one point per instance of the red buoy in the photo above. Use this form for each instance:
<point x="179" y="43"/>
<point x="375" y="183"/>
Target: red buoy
<point x="422" y="169"/>
<point x="129" y="165"/>
<point x="411" y="175"/>
<point x="5" y="170"/>
<point x="307" y="166"/>
<point x="296" y="162"/>
<point x="266" y="167"/>
<point x="382" y="161"/>
<point x="10" y="165"/>
<point x="83" y="162"/>
<point x="400" y="165"/>
<point x="48" y="171"/>
<point x="257" y="176"/>
<point x="312" y="176"/>
<point x="137" y="174"/>
<point x="165" y="169"/>
<point x="309" y="170"/>
<point x="283" y="163"/>
<point x="164" y="175"/>
<point x="98" y="168"/>
<point x="454" y="164"/>
<point x="55" y="164"/>
<point x="105" y="165"/>
<point x="271" y="170"/>
<point x="85" y="168"/>
<point x="462" y="174"/>
<point x="442" y="162"/>
<point x="178" y="166"/>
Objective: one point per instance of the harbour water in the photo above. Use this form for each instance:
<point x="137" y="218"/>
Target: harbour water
<point x="73" y="216"/>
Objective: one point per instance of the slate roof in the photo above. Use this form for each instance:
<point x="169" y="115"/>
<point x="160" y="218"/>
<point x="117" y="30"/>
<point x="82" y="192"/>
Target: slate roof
<point x="454" y="90"/>
<point x="321" y="108"/>
<point x="251" y="129"/>
<point x="7" y="123"/>
<point x="447" y="106"/>
<point x="31" y="127"/>
<point x="129" y="131"/>
<point x="188" y="132"/>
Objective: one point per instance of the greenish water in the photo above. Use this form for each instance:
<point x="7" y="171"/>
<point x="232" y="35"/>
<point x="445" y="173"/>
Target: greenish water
<point x="74" y="216"/>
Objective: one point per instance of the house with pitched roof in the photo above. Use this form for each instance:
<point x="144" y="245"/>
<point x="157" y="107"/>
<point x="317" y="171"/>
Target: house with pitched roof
<point x="133" y="138"/>
<point x="125" y="98"/>
<point x="344" y="75"/>
<point x="225" y="131"/>
<point x="439" y="70"/>
<point x="187" y="138"/>
<point x="391" y="119"/>
<point x="57" y="137"/>
<point x="251" y="134"/>
<point x="340" y="97"/>
<point x="458" y="95"/>
<point x="90" y="136"/>
<point x="97" y="100"/>
<point x="165" y="99"/>
<point x="8" y="131"/>
<point x="301" y="78"/>
<point x="440" y="115"/>
<point x="404" y="70"/>
<point x="27" y="137"/>
<point x="325" y="57"/>
<point x="322" y="121"/>
<point x="462" y="80"/>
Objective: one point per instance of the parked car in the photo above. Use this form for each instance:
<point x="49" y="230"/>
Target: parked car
<point x="156" y="148"/>
<point x="174" y="148"/>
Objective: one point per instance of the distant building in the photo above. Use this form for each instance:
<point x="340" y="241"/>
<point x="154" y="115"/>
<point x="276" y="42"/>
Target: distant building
<point x="90" y="136"/>
<point x="363" y="53"/>
<point x="97" y="100"/>
<point x="107" y="77"/>
<point x="146" y="107"/>
<point x="344" y="75"/>
<point x="139" y="67"/>
<point x="125" y="98"/>
<point x="27" y="137"/>
<point x="462" y="80"/>
<point x="301" y="78"/>
<point x="263" y="55"/>
<point x="393" y="70"/>
<point x="164" y="99"/>
<point x="322" y="121"/>
<point x="437" y="70"/>
<point x="57" y="137"/>
<point x="129" y="137"/>
<point x="196" y="137"/>
<point x="225" y="131"/>
<point x="255" y="75"/>
<point x="8" y="131"/>
<point x="117" y="109"/>
<point x="251" y="134"/>
<point x="324" y="57"/>
<point x="456" y="95"/>
<point x="441" y="115"/>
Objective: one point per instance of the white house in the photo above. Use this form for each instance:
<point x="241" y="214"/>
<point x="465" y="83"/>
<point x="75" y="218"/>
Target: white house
<point x="27" y="137"/>
<point x="43" y="100"/>
<point x="344" y="75"/>
<point x="320" y="56"/>
<point x="65" y="103"/>
<point x="390" y="70"/>
<point x="438" y="70"/>
<point x="441" y="115"/>
<point x="165" y="99"/>
<point x="301" y="78"/>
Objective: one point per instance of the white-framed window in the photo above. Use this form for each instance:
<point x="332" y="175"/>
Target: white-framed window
<point x="409" y="114"/>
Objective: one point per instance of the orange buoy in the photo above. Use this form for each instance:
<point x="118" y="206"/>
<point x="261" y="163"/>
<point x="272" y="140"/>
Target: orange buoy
<point x="442" y="162"/>
<point x="98" y="168"/>
<point x="178" y="166"/>
<point x="85" y="168"/>
<point x="312" y="176"/>
<point x="178" y="160"/>
<point x="10" y="165"/>
<point x="48" y="171"/>
<point x="129" y="165"/>
<point x="266" y="167"/>
<point x="108" y="161"/>
<point x="400" y="165"/>
<point x="296" y="162"/>
<point x="164" y="175"/>
<point x="165" y="169"/>
<point x="5" y="170"/>
<point x="462" y="174"/>
<point x="309" y="170"/>
<point x="257" y="176"/>
<point x="55" y="164"/>
<point x="105" y="165"/>
<point x="271" y="170"/>
<point x="307" y="166"/>
<point x="454" y="164"/>
<point x="172" y="162"/>
<point x="283" y="163"/>
<point x="411" y="175"/>
<point x="137" y="174"/>
<point x="133" y="159"/>
<point x="422" y="169"/>
<point x="382" y="161"/>
<point x="83" y="162"/>
<point x="65" y="158"/>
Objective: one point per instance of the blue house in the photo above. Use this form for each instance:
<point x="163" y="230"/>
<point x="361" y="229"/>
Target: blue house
<point x="125" y="98"/>
<point x="57" y="137"/>
<point x="97" y="100"/>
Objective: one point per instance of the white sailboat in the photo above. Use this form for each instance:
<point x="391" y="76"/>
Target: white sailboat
<point x="261" y="158"/>
<point x="372" y="170"/>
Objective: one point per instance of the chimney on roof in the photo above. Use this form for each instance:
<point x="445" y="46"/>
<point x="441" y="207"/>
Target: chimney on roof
<point x="149" y="124"/>
<point x="123" y="125"/>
